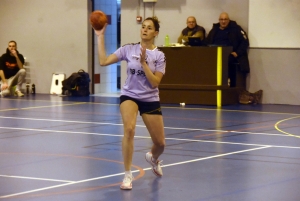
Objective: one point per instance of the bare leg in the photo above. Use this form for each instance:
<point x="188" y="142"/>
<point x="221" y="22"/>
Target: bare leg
<point x="129" y="111"/>
<point x="155" y="126"/>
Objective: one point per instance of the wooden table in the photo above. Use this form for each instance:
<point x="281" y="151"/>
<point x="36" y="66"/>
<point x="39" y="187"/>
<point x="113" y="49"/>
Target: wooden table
<point x="197" y="75"/>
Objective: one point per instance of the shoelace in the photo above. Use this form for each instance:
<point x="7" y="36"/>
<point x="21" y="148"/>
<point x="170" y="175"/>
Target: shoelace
<point x="159" y="162"/>
<point x="128" y="179"/>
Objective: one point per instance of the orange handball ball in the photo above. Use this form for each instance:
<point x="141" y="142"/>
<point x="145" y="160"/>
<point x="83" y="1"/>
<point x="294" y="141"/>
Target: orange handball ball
<point x="98" y="19"/>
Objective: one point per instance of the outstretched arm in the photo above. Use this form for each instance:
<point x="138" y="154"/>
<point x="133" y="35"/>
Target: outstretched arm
<point x="104" y="60"/>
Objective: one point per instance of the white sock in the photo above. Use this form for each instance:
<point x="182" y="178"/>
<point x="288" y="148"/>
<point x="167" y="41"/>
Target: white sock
<point x="128" y="172"/>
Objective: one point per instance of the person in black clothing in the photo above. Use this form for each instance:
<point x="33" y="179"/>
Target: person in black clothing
<point x="12" y="72"/>
<point x="229" y="33"/>
<point x="192" y="30"/>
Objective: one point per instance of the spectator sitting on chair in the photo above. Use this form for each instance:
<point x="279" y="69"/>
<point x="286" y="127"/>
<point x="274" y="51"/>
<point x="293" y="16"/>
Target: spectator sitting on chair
<point x="192" y="30"/>
<point x="229" y="33"/>
<point x="12" y="72"/>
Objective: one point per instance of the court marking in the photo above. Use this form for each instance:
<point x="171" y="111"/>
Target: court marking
<point x="35" y="178"/>
<point x="37" y="107"/>
<point x="228" y="110"/>
<point x="217" y="156"/>
<point x="146" y="137"/>
<point x="289" y="134"/>
<point x="46" y="106"/>
<point x="142" y="126"/>
<point x="190" y="161"/>
<point x="134" y="171"/>
<point x="138" y="169"/>
<point x="168" y="107"/>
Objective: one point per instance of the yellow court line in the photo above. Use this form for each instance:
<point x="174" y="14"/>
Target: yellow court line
<point x="276" y="127"/>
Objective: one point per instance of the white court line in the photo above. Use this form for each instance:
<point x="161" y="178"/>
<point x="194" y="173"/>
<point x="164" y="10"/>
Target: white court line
<point x="61" y="185"/>
<point x="35" y="178"/>
<point x="147" y="137"/>
<point x="216" y="156"/>
<point x="167" y="107"/>
<point x="228" y="110"/>
<point x="142" y="126"/>
<point x="118" y="174"/>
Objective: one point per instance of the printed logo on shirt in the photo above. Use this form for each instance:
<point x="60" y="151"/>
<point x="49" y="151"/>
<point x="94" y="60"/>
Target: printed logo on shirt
<point x="136" y="57"/>
<point x="137" y="72"/>
<point x="10" y="65"/>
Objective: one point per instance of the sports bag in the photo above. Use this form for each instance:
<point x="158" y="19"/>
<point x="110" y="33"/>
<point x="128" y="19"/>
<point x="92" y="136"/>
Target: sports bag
<point x="247" y="97"/>
<point x="78" y="84"/>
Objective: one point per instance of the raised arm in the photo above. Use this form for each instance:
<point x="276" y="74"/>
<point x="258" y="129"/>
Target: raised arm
<point x="104" y="60"/>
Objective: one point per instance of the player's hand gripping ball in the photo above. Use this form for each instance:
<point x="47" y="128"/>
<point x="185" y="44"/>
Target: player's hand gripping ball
<point x="98" y="19"/>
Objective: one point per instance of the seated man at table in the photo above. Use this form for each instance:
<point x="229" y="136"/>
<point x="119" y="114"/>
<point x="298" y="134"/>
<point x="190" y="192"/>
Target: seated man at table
<point x="229" y="33"/>
<point x="192" y="30"/>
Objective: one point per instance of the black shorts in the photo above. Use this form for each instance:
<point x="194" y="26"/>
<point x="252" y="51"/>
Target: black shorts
<point x="144" y="107"/>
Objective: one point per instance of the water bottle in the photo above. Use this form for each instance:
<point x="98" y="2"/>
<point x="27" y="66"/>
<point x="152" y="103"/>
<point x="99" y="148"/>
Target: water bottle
<point x="167" y="42"/>
<point x="27" y="88"/>
<point x="33" y="88"/>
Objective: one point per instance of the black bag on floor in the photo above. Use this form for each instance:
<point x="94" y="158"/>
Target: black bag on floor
<point x="78" y="84"/>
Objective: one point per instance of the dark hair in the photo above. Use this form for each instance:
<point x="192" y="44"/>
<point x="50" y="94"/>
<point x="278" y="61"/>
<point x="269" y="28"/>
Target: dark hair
<point x="12" y="41"/>
<point x="155" y="22"/>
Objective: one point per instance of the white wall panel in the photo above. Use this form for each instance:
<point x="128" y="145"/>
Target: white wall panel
<point x="274" y="23"/>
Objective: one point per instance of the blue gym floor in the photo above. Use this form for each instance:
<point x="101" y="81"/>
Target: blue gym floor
<point x="56" y="148"/>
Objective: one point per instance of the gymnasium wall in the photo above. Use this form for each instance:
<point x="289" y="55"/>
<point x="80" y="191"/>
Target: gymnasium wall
<point x="275" y="27"/>
<point x="53" y="35"/>
<point x="274" y="70"/>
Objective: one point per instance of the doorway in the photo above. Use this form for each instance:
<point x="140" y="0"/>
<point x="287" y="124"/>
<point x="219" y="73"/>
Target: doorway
<point x="107" y="79"/>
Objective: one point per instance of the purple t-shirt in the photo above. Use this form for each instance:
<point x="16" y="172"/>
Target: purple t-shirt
<point x="137" y="85"/>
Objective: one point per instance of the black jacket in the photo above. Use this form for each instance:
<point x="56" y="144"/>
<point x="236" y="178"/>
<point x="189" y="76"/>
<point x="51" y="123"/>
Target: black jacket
<point x="9" y="64"/>
<point x="239" y="42"/>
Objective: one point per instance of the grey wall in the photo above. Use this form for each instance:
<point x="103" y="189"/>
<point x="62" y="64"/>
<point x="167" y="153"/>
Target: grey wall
<point x="53" y="35"/>
<point x="275" y="71"/>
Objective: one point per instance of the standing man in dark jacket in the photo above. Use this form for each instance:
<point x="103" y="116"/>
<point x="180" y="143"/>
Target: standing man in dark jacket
<point x="12" y="72"/>
<point x="229" y="33"/>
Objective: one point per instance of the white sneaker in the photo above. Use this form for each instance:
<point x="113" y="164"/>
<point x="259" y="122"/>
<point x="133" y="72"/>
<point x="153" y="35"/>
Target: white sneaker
<point x="127" y="182"/>
<point x="19" y="94"/>
<point x="5" y="93"/>
<point x="156" y="169"/>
